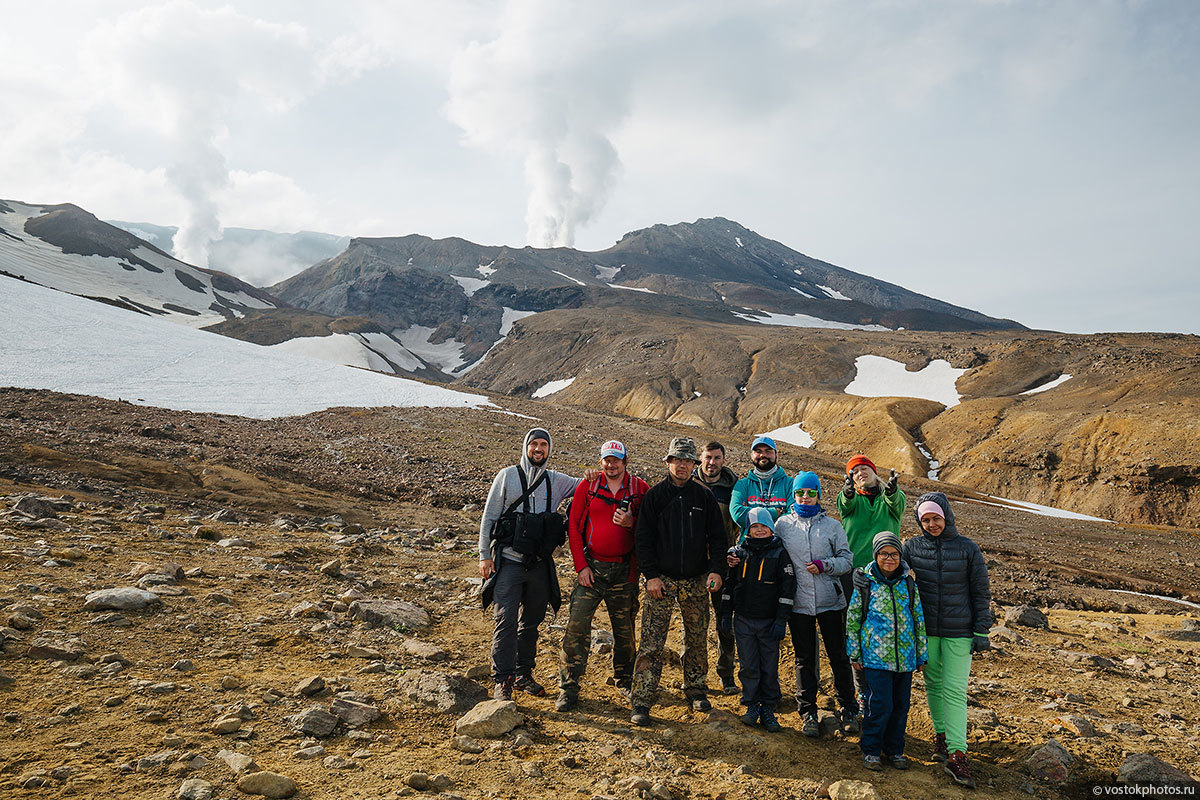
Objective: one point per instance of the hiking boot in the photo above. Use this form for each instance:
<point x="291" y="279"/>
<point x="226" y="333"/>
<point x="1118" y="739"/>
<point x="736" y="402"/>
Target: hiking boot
<point x="527" y="684"/>
<point x="751" y="715"/>
<point x="728" y="686"/>
<point x="896" y="762"/>
<point x="565" y="702"/>
<point x="640" y="715"/>
<point x="940" y="753"/>
<point x="812" y="726"/>
<point x="767" y="716"/>
<point x="957" y="768"/>
<point x="701" y="704"/>
<point x="872" y="763"/>
<point x="849" y="721"/>
<point x="503" y="689"/>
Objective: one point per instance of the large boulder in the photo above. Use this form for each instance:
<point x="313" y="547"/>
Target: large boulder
<point x="51" y="647"/>
<point x="1050" y="762"/>
<point x="314" y="721"/>
<point x="1028" y="616"/>
<point x="389" y="613"/>
<point x="355" y="715"/>
<point x="444" y="692"/>
<point x="267" y="784"/>
<point x="123" y="598"/>
<point x="853" y="790"/>
<point x="1146" y="770"/>
<point x="489" y="720"/>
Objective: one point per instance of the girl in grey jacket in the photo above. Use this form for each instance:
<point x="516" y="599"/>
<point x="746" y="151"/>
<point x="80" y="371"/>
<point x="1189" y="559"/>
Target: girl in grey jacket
<point x="817" y="546"/>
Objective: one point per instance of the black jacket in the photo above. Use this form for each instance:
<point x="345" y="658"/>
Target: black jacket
<point x="952" y="578"/>
<point x="764" y="585"/>
<point x="679" y="532"/>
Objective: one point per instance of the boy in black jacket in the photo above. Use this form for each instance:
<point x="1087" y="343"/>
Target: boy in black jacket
<point x="755" y="606"/>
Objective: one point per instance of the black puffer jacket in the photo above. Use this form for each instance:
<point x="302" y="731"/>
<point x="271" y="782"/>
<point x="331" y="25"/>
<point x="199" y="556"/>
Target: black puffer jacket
<point x="952" y="578"/>
<point x="764" y="585"/>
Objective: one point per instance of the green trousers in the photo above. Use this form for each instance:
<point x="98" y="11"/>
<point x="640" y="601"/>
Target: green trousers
<point x="946" y="677"/>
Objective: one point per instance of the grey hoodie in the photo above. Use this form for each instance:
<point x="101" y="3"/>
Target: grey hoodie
<point x="506" y="488"/>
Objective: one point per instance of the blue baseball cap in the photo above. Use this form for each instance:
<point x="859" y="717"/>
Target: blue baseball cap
<point x="767" y="440"/>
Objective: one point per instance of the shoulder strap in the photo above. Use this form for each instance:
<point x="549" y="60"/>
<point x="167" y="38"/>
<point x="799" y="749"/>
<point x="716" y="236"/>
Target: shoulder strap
<point x="912" y="592"/>
<point x="527" y="490"/>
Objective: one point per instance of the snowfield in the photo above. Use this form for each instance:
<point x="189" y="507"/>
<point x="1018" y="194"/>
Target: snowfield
<point x="792" y="434"/>
<point x="882" y="377"/>
<point x="164" y="290"/>
<point x="804" y="321"/>
<point x="1045" y="387"/>
<point x="53" y="340"/>
<point x="547" y="389"/>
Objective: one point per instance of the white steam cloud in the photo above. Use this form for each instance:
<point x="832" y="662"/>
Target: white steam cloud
<point x="546" y="89"/>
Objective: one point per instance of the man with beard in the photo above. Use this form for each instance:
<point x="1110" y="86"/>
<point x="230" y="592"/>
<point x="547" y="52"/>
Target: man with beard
<point x="603" y="513"/>
<point x="719" y="479"/>
<point x="765" y="486"/>
<point x="525" y="581"/>
<point x="681" y="551"/>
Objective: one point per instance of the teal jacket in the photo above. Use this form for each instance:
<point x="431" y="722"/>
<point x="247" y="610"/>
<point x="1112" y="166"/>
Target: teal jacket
<point x="774" y="494"/>
<point x="891" y="635"/>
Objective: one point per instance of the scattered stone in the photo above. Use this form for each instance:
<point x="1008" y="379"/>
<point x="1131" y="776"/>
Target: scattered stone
<point x="183" y="665"/>
<point x="1159" y="672"/>
<point x="226" y="724"/>
<point x="195" y="789"/>
<point x="267" y="784"/>
<point x="425" y="650"/>
<point x="659" y="791"/>
<point x="242" y="543"/>
<point x="332" y="568"/>
<point x="634" y="784"/>
<point x="1027" y="616"/>
<point x="1145" y="769"/>
<point x="355" y="715"/>
<point x="52" y="647"/>
<point x="1075" y="723"/>
<point x="1050" y="762"/>
<point x="307" y="610"/>
<point x="338" y="762"/>
<point x="444" y="692"/>
<point x="853" y="790"/>
<point x="124" y="598"/>
<point x="305" y="753"/>
<point x="417" y="780"/>
<point x="229" y="682"/>
<point x="357" y="651"/>
<point x="490" y="719"/>
<point x="314" y="721"/>
<point x="310" y="686"/>
<point x="1005" y="634"/>
<point x="389" y="613"/>
<point x="1085" y="659"/>
<point x="238" y="762"/>
<point x="466" y="744"/>
<point x="41" y="507"/>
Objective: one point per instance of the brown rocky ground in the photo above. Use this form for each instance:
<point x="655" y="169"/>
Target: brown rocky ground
<point x="388" y="494"/>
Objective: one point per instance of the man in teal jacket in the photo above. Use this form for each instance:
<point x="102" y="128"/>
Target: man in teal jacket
<point x="766" y="486"/>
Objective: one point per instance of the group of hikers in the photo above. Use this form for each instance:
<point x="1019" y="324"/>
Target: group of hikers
<point x="763" y="552"/>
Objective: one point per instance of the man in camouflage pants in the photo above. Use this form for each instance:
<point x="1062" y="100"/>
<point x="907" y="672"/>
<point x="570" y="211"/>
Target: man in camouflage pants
<point x="600" y="530"/>
<point x="681" y="551"/>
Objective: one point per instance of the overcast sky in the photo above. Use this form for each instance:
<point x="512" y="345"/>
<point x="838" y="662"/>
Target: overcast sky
<point x="1038" y="160"/>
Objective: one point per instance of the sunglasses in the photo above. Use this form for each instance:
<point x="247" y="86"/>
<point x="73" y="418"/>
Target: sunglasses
<point x="808" y="493"/>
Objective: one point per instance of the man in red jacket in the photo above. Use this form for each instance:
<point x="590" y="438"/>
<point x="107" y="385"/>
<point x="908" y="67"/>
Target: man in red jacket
<point x="600" y="530"/>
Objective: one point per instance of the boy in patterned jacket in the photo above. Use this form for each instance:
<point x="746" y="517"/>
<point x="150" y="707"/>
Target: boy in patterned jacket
<point x="885" y="639"/>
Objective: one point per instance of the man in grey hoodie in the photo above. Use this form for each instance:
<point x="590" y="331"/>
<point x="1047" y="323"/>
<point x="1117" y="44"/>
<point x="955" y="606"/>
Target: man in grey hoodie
<point x="523" y="584"/>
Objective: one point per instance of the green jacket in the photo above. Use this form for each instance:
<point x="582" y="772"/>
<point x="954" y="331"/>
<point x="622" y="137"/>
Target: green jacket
<point x="863" y="516"/>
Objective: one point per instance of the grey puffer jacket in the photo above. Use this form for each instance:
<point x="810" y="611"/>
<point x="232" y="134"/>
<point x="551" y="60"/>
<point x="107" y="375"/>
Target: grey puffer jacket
<point x="952" y="578"/>
<point x="810" y="538"/>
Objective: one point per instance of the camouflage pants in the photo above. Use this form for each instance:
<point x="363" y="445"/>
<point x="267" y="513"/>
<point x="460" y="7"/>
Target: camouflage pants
<point x="610" y="583"/>
<point x="691" y="595"/>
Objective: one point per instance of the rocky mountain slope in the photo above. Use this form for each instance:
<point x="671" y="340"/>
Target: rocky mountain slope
<point x="66" y="248"/>
<point x="1118" y="439"/>
<point x="214" y="606"/>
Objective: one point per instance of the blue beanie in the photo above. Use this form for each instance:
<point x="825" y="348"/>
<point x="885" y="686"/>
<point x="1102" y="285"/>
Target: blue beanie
<point x="761" y="516"/>
<point x="806" y="480"/>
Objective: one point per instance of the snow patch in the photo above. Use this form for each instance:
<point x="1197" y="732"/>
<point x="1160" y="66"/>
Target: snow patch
<point x="1187" y="603"/>
<point x="631" y="288"/>
<point x="547" y="389"/>
<point x="446" y="356"/>
<point x="804" y="321"/>
<point x="934" y="466"/>
<point x="510" y="316"/>
<point x="469" y="285"/>
<point x="1045" y="387"/>
<point x="882" y="377"/>
<point x="1044" y="511"/>
<point x="70" y="344"/>
<point x="792" y="434"/>
<point x="487" y="269"/>
<point x="799" y="272"/>
<point x="800" y="292"/>
<point x="834" y="293"/>
<point x="568" y="277"/>
<point x="607" y="273"/>
<point x="738" y="239"/>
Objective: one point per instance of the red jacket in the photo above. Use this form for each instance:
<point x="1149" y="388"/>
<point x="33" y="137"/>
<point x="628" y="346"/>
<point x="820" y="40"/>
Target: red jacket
<point x="591" y="530"/>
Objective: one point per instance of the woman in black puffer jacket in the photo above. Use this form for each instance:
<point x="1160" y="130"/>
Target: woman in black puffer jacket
<point x="952" y="579"/>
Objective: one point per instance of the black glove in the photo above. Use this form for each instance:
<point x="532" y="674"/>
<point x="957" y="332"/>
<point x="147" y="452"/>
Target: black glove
<point x="848" y="486"/>
<point x="725" y="623"/>
<point x="779" y="630"/>
<point x="980" y="643"/>
<point x="890" y="488"/>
